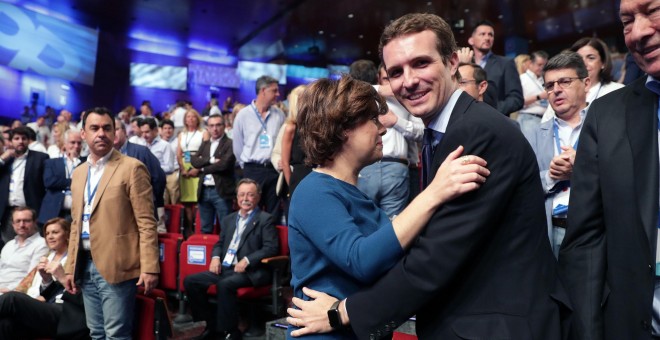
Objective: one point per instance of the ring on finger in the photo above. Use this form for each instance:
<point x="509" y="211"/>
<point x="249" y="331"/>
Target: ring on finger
<point x="465" y="160"/>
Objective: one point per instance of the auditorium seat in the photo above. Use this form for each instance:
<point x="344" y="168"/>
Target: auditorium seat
<point x="152" y="321"/>
<point x="169" y="246"/>
<point x="174" y="218"/>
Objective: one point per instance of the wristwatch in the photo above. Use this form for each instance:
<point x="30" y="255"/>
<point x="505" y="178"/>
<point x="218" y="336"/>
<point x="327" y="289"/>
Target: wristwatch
<point x="538" y="97"/>
<point x="334" y="317"/>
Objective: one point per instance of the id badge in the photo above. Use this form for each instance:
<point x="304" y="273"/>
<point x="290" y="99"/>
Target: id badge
<point x="264" y="141"/>
<point x="67" y="192"/>
<point x="208" y="177"/>
<point x="229" y="258"/>
<point x="560" y="202"/>
<point x="543" y="102"/>
<point x="186" y="156"/>
<point x="84" y="235"/>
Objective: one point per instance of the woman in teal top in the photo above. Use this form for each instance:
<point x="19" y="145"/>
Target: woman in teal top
<point x="339" y="239"/>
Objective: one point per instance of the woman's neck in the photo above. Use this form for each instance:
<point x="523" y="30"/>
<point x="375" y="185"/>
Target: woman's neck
<point x="340" y="169"/>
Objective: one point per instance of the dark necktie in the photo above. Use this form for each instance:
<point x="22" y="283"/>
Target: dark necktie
<point x="431" y="140"/>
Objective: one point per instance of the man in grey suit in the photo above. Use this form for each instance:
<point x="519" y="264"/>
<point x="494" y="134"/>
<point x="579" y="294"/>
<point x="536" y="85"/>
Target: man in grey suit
<point x="246" y="237"/>
<point x="554" y="141"/>
<point x="609" y="258"/>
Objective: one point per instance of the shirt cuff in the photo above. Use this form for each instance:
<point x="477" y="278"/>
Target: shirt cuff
<point x="247" y="260"/>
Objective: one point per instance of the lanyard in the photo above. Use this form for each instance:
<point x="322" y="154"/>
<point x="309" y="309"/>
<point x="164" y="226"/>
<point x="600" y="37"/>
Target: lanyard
<point x="262" y="121"/>
<point x="91" y="194"/>
<point x="16" y="165"/>
<point x="188" y="140"/>
<point x="555" y="128"/>
<point x="239" y="232"/>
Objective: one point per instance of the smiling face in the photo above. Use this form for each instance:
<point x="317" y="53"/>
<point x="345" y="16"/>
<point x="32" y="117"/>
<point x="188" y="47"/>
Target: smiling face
<point x="247" y="197"/>
<point x="592" y="61"/>
<point x="641" y="30"/>
<point x="364" y="143"/>
<point x="419" y="78"/>
<point x="56" y="238"/>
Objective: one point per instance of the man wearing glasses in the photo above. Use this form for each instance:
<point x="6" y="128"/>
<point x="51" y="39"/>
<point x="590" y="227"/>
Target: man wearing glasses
<point x="555" y="141"/>
<point x="473" y="80"/>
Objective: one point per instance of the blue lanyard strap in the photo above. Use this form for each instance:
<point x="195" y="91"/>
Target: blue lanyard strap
<point x="91" y="194"/>
<point x="262" y="121"/>
<point x="238" y="218"/>
<point x="555" y="129"/>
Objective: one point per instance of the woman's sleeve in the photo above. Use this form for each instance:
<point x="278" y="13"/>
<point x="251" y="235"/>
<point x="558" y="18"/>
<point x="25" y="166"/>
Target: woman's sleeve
<point x="326" y="222"/>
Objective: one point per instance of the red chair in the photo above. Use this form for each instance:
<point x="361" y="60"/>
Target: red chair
<point x="195" y="255"/>
<point x="174" y="218"/>
<point x="403" y="336"/>
<point x="198" y="224"/>
<point x="152" y="319"/>
<point x="169" y="246"/>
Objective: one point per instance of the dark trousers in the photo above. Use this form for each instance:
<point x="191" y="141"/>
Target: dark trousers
<point x="22" y="317"/>
<point x="224" y="317"/>
<point x="267" y="179"/>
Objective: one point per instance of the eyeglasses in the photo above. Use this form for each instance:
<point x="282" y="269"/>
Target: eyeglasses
<point x="464" y="82"/>
<point x="564" y="83"/>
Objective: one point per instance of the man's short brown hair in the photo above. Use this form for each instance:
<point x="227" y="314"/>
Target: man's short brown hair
<point x="419" y="22"/>
<point x="328" y="108"/>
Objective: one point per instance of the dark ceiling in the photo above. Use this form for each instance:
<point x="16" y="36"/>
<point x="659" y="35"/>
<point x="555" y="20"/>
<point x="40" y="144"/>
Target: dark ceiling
<point x="319" y="32"/>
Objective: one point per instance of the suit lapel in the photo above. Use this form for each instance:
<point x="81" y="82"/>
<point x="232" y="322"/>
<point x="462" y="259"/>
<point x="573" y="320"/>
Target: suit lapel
<point x="109" y="170"/>
<point x="464" y="101"/>
<point x="546" y="144"/>
<point x="252" y="223"/>
<point x="641" y="128"/>
<point x="77" y="191"/>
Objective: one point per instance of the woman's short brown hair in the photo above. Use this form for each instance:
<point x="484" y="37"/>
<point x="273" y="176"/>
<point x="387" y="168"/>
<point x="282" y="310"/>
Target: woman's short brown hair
<point x="327" y="108"/>
<point x="64" y="224"/>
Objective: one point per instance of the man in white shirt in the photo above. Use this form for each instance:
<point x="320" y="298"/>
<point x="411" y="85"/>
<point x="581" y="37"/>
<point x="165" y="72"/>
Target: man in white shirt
<point x="172" y="180"/>
<point x="536" y="98"/>
<point x="18" y="164"/>
<point x="22" y="253"/>
<point x="554" y="141"/>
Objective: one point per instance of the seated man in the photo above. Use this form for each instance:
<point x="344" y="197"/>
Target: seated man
<point x="22" y="253"/>
<point x="246" y="237"/>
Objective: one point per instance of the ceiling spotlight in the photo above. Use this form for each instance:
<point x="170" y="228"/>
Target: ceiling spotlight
<point x="350" y="15"/>
<point x="361" y="36"/>
<point x="321" y="32"/>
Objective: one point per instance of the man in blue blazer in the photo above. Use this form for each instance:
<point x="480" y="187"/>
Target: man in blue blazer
<point x="144" y="155"/>
<point x="246" y="237"/>
<point x="21" y="172"/>
<point x="57" y="179"/>
<point x="504" y="90"/>
<point x="554" y="141"/>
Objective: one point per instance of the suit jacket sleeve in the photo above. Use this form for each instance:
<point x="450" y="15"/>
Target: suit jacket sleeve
<point x="456" y="232"/>
<point x="582" y="258"/>
<point x="141" y="197"/>
<point x="202" y="157"/>
<point x="226" y="161"/>
<point x="53" y="179"/>
<point x="513" y="100"/>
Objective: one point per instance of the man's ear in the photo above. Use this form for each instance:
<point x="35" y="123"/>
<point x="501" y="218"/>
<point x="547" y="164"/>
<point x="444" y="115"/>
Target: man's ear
<point x="483" y="86"/>
<point x="471" y="41"/>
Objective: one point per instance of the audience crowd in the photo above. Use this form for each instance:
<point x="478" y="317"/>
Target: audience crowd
<point x="236" y="166"/>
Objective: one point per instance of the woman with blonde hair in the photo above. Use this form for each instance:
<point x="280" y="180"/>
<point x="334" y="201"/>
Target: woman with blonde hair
<point x="293" y="157"/>
<point x="522" y="62"/>
<point x="189" y="141"/>
<point x="55" y="150"/>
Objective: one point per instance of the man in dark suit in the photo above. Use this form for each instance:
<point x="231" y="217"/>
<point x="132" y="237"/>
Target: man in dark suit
<point x="482" y="268"/>
<point x="504" y="91"/>
<point x="145" y="156"/>
<point x="216" y="161"/>
<point x="246" y="237"/>
<point x="21" y="172"/>
<point x="57" y="179"/>
<point x="609" y="258"/>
